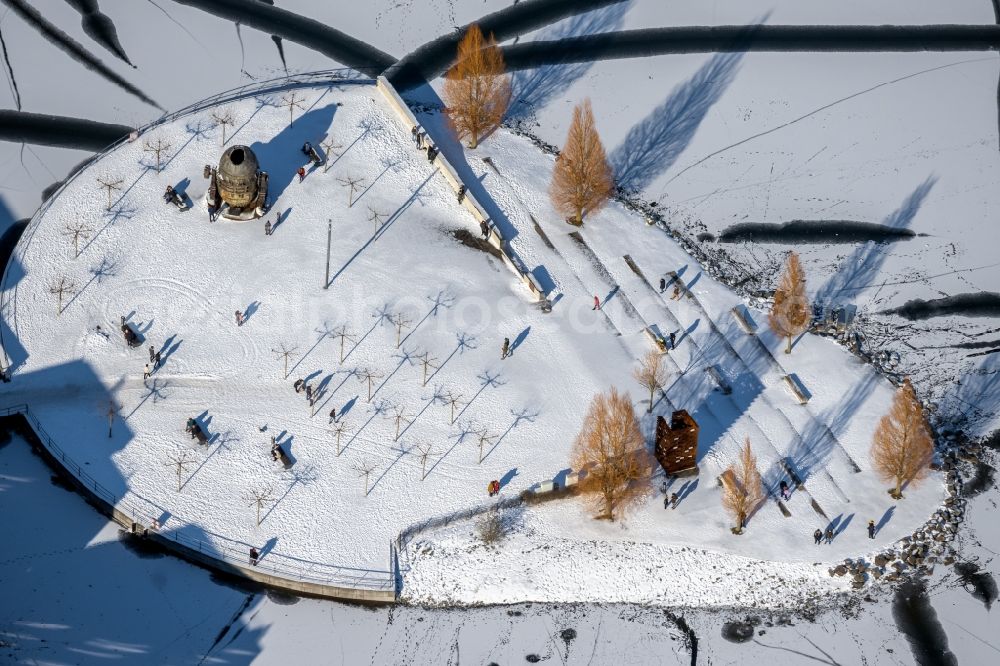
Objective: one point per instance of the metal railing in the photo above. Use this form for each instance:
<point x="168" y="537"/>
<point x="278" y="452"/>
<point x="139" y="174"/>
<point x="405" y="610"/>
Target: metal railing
<point x="220" y="548"/>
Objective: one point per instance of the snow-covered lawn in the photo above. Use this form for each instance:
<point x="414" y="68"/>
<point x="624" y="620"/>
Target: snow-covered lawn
<point x="179" y="279"/>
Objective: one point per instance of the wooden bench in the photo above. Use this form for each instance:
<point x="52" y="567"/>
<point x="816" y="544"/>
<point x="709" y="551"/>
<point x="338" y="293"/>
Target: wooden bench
<point x="742" y="316"/>
<point x="719" y="378"/>
<point x="797" y="388"/>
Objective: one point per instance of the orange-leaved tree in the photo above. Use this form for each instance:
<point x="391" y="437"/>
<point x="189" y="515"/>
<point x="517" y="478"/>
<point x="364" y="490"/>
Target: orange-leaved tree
<point x="742" y="490"/>
<point x="902" y="448"/>
<point x="611" y="453"/>
<point x="476" y="88"/>
<point x="582" y="180"/>
<point x="790" y="315"/>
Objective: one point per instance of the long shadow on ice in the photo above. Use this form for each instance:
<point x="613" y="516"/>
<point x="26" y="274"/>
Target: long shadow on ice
<point x="282" y="155"/>
<point x="858" y="271"/>
<point x="654" y="144"/>
<point x="533" y="89"/>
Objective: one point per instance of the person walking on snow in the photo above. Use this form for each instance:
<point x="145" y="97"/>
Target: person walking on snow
<point x="309" y="394"/>
<point x="267" y="228"/>
<point x="461" y="193"/>
<point x="413" y="135"/>
<point x="663" y="488"/>
<point x="152" y="353"/>
<point x="505" y="350"/>
<point x="674" y="499"/>
<point x="239" y="318"/>
<point x="299" y="383"/>
<point x="871" y="529"/>
<point x="829" y="535"/>
<point x="666" y="501"/>
<point x="333" y="415"/>
<point x="663" y="285"/>
<point x="485" y="228"/>
<point x="673" y="341"/>
<point x="145" y="373"/>
<point x="786" y="493"/>
<point x="818" y="536"/>
<point x="156" y="361"/>
<point x="254" y="555"/>
<point x="302" y="173"/>
<point x="676" y="294"/>
<point x="597" y="303"/>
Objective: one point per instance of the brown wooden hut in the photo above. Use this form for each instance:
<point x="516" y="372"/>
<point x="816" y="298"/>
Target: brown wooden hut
<point x="677" y="444"/>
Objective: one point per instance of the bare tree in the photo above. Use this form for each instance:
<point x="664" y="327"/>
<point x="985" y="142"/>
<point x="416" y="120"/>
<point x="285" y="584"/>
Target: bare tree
<point x="223" y="118"/>
<point x="425" y="453"/>
<point x="400" y="321"/>
<point x="340" y="430"/>
<point x="61" y="288"/>
<point x="157" y="149"/>
<point x="581" y="180"/>
<point x="180" y="460"/>
<point x="110" y="185"/>
<point x="376" y="217"/>
<point x="112" y="410"/>
<point x="484" y="437"/>
<point x="902" y="448"/>
<point x="285" y="353"/>
<point x="476" y="88"/>
<point x="342" y="333"/>
<point x="454" y="400"/>
<point x="77" y="231"/>
<point x="611" y="452"/>
<point x="369" y="376"/>
<point x="330" y="148"/>
<point x="353" y="184"/>
<point x="490" y="526"/>
<point x="427" y="361"/>
<point x="292" y="102"/>
<point x="364" y="468"/>
<point x="259" y="496"/>
<point x="651" y="374"/>
<point x="790" y="314"/>
<point x="399" y="415"/>
<point x="742" y="490"/>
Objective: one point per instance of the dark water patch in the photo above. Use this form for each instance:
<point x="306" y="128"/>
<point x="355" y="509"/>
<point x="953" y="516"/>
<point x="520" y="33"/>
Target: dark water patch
<point x="980" y="584"/>
<point x="813" y="231"/>
<point x="282" y="598"/>
<point x="229" y="625"/>
<point x="299" y="29"/>
<point x="774" y="38"/>
<point x="532" y="658"/>
<point x="467" y="239"/>
<point x="143" y="548"/>
<point x="690" y="638"/>
<point x="982" y="479"/>
<point x="100" y="27"/>
<point x="977" y="345"/>
<point x="9" y="240"/>
<point x="737" y="632"/>
<point x="433" y="58"/>
<point x="917" y="620"/>
<point x="59" y="131"/>
<point x="982" y="304"/>
<point x="75" y="50"/>
<point x="237" y="583"/>
<point x="58" y="481"/>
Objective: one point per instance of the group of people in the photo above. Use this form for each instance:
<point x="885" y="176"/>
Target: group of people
<point x="819" y="535"/>
<point x="493" y="488"/>
<point x="301" y="385"/>
<point x="423" y="142"/>
<point x="155" y="360"/>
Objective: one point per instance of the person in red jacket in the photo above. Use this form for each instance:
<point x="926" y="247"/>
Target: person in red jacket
<point x="597" y="303"/>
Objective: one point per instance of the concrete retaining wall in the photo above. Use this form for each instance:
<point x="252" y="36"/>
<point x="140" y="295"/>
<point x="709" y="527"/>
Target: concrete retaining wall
<point x="409" y="121"/>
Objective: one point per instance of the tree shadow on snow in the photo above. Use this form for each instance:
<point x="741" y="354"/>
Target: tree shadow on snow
<point x="858" y="271"/>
